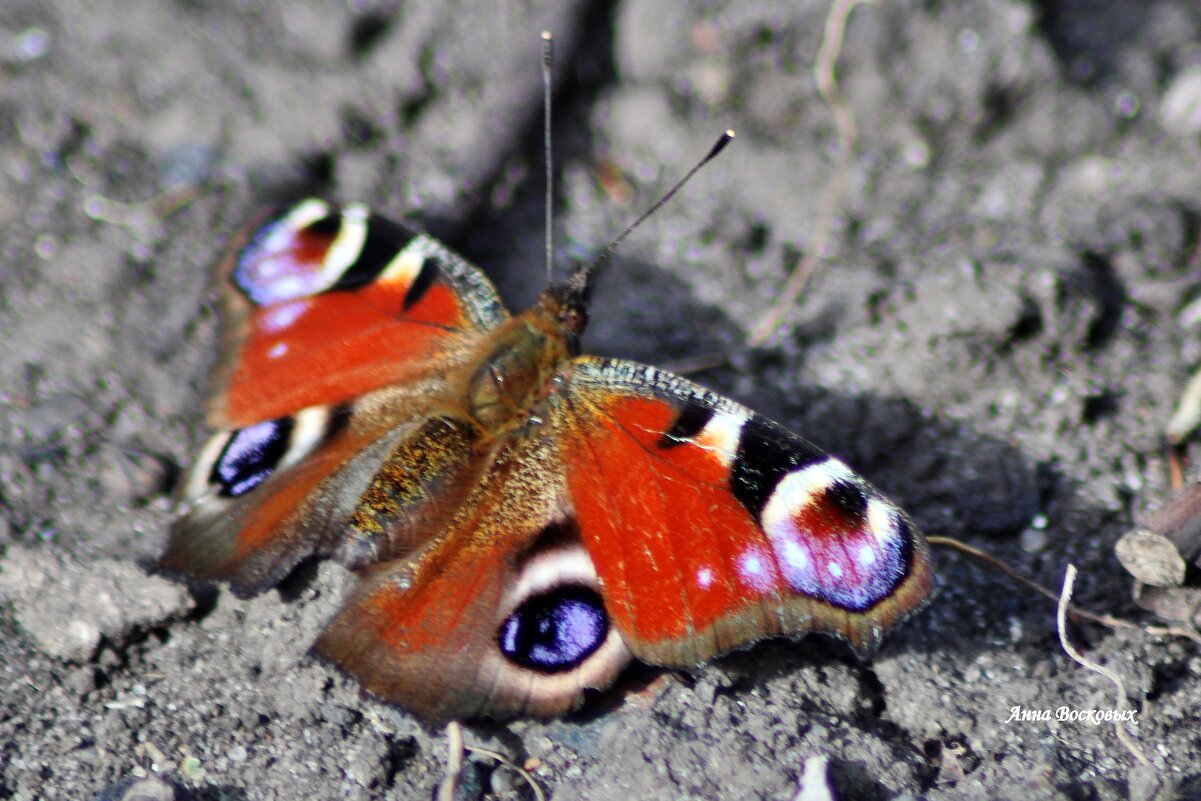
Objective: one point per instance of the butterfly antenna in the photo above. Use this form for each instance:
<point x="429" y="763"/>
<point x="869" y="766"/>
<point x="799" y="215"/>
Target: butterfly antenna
<point x="547" y="57"/>
<point x="578" y="283"/>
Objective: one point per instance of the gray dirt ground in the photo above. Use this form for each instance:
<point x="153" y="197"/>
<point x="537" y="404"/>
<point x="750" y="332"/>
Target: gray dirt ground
<point x="997" y="339"/>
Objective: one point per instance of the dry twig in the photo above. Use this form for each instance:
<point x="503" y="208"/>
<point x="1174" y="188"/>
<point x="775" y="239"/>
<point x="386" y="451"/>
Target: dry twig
<point x="848" y="137"/>
<point x="1081" y="614"/>
<point x="1122" y="704"/>
<point x="457" y="748"/>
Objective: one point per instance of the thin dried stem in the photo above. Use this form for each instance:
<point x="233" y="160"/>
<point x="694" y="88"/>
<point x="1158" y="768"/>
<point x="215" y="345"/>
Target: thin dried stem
<point x="848" y="137"/>
<point x="994" y="562"/>
<point x="454" y="761"/>
<point x="1076" y="612"/>
<point x="1121" y="702"/>
<point x="456" y="751"/>
<point x="502" y="760"/>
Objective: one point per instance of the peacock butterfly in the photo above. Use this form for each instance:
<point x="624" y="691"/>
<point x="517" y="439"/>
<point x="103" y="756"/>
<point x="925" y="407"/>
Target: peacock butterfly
<point x="523" y="520"/>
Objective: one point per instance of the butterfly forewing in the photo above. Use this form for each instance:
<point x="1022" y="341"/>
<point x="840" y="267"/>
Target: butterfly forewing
<point x="711" y="527"/>
<point x="321" y="305"/>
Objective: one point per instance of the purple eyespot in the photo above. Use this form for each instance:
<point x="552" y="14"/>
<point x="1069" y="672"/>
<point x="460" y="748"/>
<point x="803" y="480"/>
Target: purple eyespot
<point x="555" y="631"/>
<point x="250" y="456"/>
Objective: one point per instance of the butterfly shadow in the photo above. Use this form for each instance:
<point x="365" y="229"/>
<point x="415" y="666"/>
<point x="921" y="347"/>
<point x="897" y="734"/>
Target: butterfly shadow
<point x="217" y="792"/>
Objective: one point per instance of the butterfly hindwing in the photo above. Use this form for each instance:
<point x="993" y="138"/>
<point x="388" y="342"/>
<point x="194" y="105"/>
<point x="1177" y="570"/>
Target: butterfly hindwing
<point x="261" y="499"/>
<point x="711" y="527"/>
<point x="499" y="615"/>
<point x="322" y="304"/>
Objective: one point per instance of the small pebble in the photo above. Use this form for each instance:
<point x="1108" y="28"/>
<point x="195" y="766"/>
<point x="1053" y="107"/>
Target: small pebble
<point x="1034" y="540"/>
<point x="31" y="44"/>
<point x="1180" y="111"/>
<point x="191" y="768"/>
<point x="1127" y="104"/>
<point x="150" y="789"/>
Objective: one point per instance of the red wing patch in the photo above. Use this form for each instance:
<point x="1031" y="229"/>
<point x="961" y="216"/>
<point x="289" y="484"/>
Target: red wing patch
<point x="648" y="521"/>
<point x="332" y="348"/>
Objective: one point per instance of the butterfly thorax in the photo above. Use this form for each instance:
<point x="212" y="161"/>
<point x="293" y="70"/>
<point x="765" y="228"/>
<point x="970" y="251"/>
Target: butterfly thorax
<point x="518" y="361"/>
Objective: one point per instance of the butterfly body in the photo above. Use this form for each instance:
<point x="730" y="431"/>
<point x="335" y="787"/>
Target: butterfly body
<point x="524" y="520"/>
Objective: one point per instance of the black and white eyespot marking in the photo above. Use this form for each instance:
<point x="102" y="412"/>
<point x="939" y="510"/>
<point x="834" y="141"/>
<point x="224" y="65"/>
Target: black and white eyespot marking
<point x="235" y="462"/>
<point x="326" y="226"/>
<point x="557" y="618"/>
<point x="848" y="499"/>
<point x="266" y="269"/>
<point x="691" y="421"/>
<point x="312" y="248"/>
<point x="382" y="241"/>
<point x="555" y="631"/>
<point x="250" y="456"/>
<point x="767" y="453"/>
<point x="421" y="284"/>
<point x="834" y="539"/>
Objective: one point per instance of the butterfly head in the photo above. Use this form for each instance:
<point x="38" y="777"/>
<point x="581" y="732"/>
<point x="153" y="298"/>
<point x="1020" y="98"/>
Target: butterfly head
<point x="568" y="302"/>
